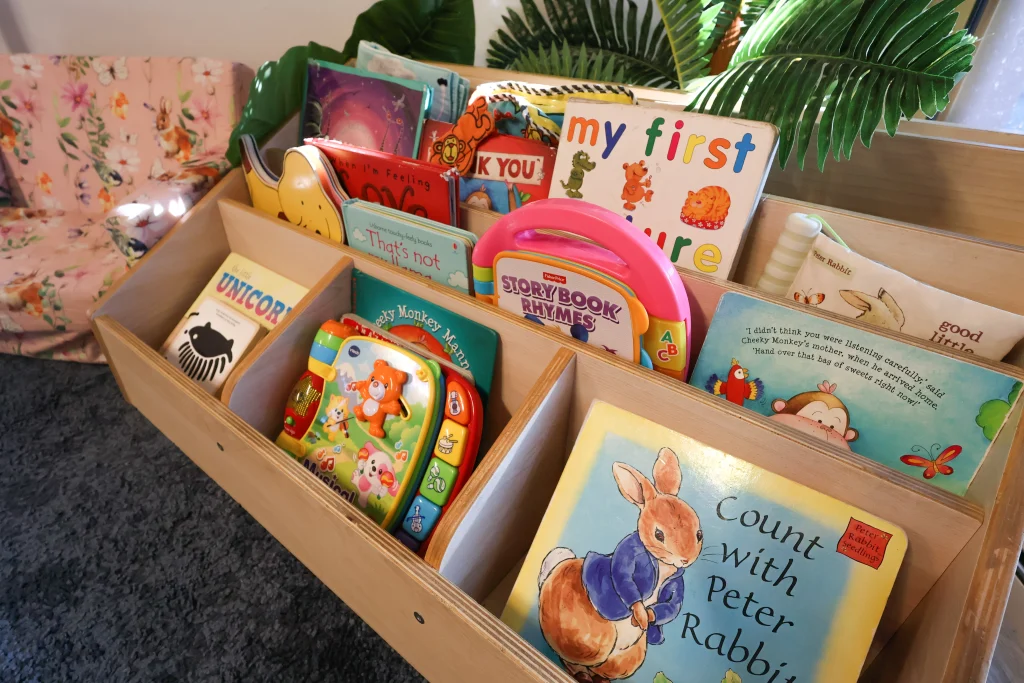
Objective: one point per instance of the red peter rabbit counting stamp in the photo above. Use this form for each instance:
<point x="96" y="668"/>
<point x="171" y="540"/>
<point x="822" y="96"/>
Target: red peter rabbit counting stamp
<point x="864" y="543"/>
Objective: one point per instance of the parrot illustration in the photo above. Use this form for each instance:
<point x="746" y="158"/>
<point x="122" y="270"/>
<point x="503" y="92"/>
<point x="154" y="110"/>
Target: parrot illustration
<point x="736" y="388"/>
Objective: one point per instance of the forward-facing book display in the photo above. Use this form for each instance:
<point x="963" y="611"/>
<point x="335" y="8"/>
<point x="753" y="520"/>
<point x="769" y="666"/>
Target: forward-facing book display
<point x="769" y="551"/>
<point x="914" y="410"/>
<point x="660" y="558"/>
<point x="689" y="181"/>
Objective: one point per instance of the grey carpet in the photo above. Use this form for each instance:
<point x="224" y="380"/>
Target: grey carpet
<point x="121" y="561"/>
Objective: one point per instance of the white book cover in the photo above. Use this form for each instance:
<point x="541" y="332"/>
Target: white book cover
<point x="689" y="181"/>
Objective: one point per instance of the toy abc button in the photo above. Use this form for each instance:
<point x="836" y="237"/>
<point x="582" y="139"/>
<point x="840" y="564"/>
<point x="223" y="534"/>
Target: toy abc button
<point x="456" y="405"/>
<point x="451" y="443"/>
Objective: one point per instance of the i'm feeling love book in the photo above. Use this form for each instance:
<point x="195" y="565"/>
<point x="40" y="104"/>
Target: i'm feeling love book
<point x="365" y="109"/>
<point x="662" y="559"/>
<point x="408" y="185"/>
<point x="917" y="411"/>
<point x="689" y="181"/>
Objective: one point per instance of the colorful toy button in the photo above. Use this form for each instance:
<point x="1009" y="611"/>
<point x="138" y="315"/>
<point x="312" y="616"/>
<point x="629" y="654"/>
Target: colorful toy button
<point x="422" y="517"/>
<point x="451" y="443"/>
<point x="437" y="485"/>
<point x="457" y="403"/>
<point x="407" y="540"/>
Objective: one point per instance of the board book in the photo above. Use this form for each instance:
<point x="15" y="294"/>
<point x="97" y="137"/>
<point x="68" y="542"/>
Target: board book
<point x="507" y="171"/>
<point x="465" y="343"/>
<point x="365" y="109"/>
<point x="240" y="302"/>
<point x="919" y="412"/>
<point x="689" y="181"/>
<point x="407" y="185"/>
<point x="661" y="559"/>
<point x="434" y="250"/>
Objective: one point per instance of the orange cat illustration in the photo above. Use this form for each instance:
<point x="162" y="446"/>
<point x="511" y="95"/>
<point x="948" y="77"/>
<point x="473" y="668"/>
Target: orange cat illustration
<point x="706" y="208"/>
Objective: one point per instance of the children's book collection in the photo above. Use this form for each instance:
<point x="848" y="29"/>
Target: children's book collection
<point x="658" y="557"/>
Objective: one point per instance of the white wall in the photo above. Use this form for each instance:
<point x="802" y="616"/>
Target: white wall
<point x="248" y="31"/>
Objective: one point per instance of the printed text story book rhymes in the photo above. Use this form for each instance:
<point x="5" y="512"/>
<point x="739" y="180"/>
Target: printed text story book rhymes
<point x="660" y="558"/>
<point x="689" y="181"/>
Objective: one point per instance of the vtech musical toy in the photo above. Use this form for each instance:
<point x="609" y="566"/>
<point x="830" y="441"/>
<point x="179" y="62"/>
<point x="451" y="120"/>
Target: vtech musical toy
<point x="618" y="291"/>
<point x="393" y="432"/>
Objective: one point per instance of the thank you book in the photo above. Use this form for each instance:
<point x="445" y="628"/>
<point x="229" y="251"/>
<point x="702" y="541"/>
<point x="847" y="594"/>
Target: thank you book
<point x="689" y="181"/>
<point x="661" y="559"/>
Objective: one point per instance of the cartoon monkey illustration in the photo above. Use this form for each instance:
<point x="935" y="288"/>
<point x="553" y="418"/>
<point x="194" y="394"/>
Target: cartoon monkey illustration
<point x="820" y="413"/>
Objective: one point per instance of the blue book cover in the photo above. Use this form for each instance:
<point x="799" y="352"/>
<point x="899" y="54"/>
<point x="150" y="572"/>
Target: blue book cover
<point x="911" y="409"/>
<point x="434" y="250"/>
<point x="661" y="560"/>
<point x="465" y="343"/>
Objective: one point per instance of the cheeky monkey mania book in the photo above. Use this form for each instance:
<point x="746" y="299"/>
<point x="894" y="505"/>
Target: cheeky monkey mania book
<point x="660" y="559"/>
<point x="688" y="181"/>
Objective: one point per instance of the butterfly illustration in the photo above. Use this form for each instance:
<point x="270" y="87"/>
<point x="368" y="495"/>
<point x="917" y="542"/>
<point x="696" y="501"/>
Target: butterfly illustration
<point x="933" y="465"/>
<point x="107" y="74"/>
<point x="813" y="299"/>
<point x="128" y="138"/>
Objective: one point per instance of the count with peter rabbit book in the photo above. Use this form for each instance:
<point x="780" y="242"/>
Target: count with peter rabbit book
<point x="661" y="559"/>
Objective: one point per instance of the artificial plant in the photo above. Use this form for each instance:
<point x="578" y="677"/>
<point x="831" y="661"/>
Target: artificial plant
<point x="856" y="62"/>
<point x="437" y="30"/>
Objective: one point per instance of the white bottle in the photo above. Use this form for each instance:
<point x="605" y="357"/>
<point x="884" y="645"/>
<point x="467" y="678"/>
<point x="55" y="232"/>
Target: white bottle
<point x="789" y="253"/>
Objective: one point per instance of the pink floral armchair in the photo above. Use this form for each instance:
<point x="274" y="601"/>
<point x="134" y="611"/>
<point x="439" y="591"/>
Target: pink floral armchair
<point x="102" y="156"/>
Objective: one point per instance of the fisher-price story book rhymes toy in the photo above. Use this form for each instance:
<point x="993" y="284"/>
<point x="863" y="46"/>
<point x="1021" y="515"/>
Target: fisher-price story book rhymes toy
<point x="629" y="302"/>
<point x="661" y="559"/>
<point x="408" y="185"/>
<point x="914" y="410"/>
<point x="365" y="109"/>
<point x="688" y="181"/>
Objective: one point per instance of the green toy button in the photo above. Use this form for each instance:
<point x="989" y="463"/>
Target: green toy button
<point x="290" y="421"/>
<point x="437" y="484"/>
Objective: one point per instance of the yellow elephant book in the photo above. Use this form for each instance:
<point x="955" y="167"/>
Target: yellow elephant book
<point x="661" y="559"/>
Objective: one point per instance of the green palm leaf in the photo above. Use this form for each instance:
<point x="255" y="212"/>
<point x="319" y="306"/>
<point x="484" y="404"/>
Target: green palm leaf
<point x="571" y="62"/>
<point x="857" y="62"/>
<point x="751" y="12"/>
<point x="641" y="48"/>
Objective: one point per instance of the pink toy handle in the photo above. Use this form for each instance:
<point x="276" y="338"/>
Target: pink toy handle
<point x="622" y="250"/>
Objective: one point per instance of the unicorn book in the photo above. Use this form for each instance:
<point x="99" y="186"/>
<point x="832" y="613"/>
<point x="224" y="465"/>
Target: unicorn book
<point x="689" y="181"/>
<point x="660" y="559"/>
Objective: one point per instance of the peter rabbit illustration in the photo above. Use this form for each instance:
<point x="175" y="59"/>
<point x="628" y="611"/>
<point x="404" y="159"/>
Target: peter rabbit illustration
<point x="881" y="310"/>
<point x="599" y="613"/>
<point x="173" y="138"/>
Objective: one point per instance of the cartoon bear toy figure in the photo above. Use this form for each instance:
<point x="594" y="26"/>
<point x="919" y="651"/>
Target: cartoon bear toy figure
<point x="381" y="394"/>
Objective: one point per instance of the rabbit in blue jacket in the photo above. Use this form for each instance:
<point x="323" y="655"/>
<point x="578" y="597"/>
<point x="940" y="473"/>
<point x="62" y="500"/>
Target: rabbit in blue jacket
<point x="599" y="613"/>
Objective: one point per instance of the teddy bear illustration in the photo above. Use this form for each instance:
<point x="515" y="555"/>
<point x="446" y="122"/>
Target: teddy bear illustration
<point x="374" y="474"/>
<point x="581" y="163"/>
<point x="381" y="393"/>
<point x="599" y="613"/>
<point x="636" y="189"/>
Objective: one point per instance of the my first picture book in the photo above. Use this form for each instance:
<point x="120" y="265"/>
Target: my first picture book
<point x="465" y="343"/>
<point x="689" y="181"/>
<point x="661" y="559"/>
<point x="923" y="413"/>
